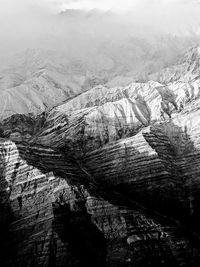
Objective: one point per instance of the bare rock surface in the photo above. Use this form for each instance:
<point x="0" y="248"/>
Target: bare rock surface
<point x="108" y="178"/>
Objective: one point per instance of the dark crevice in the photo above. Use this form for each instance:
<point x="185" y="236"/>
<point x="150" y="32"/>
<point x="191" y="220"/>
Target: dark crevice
<point x="85" y="242"/>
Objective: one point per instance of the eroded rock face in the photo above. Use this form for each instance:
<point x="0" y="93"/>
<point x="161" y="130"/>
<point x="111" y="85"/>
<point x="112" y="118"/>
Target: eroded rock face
<point x="109" y="178"/>
<point x="53" y="224"/>
<point x="46" y="222"/>
<point x="38" y="210"/>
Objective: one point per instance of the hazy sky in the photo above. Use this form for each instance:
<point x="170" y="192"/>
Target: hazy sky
<point x="13" y="6"/>
<point x="24" y="22"/>
<point x="173" y="11"/>
<point x="190" y="8"/>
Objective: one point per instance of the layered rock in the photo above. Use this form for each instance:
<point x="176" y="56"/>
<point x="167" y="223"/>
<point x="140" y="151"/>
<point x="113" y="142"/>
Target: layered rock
<point x="109" y="178"/>
<point x="53" y="224"/>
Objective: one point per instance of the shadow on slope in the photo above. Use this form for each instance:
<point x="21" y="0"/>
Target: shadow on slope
<point x="85" y="242"/>
<point x="170" y="199"/>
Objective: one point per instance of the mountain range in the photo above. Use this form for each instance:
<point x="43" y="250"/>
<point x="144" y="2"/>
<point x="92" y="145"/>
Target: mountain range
<point x="99" y="171"/>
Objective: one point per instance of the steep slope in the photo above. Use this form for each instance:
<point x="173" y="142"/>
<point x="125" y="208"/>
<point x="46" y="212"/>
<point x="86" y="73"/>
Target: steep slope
<point x="102" y="115"/>
<point x="37" y="80"/>
<point x="185" y="70"/>
<point x="49" y="223"/>
<point x="108" y="178"/>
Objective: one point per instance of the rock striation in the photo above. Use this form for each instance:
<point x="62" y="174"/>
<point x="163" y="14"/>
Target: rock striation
<point x="108" y="178"/>
<point x="52" y="223"/>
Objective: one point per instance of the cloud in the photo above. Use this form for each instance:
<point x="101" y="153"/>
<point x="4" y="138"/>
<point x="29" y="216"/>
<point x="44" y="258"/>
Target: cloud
<point x="123" y="5"/>
<point x="172" y="16"/>
<point x="96" y="4"/>
<point x="32" y="23"/>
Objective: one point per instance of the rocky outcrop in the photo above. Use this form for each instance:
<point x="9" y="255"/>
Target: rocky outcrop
<point x="34" y="202"/>
<point x="109" y="178"/>
<point x="50" y="223"/>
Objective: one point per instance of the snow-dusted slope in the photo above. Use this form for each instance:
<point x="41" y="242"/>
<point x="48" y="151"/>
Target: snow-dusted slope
<point x="136" y="145"/>
<point x="186" y="68"/>
<point x="37" y="80"/>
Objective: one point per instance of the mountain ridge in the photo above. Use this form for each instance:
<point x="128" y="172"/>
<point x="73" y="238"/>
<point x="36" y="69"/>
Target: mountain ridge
<point x="113" y="172"/>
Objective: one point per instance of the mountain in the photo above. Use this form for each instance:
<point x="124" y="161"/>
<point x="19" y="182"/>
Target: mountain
<point x="37" y="80"/>
<point x="78" y="50"/>
<point x="110" y="177"/>
<point x="185" y="70"/>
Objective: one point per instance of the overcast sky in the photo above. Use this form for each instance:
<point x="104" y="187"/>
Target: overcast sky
<point x="173" y="11"/>
<point x="7" y="6"/>
<point x="188" y="8"/>
<point x="24" y="21"/>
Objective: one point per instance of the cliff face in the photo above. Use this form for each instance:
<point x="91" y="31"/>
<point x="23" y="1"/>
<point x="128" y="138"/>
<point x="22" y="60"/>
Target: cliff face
<point x="48" y="222"/>
<point x="109" y="178"/>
